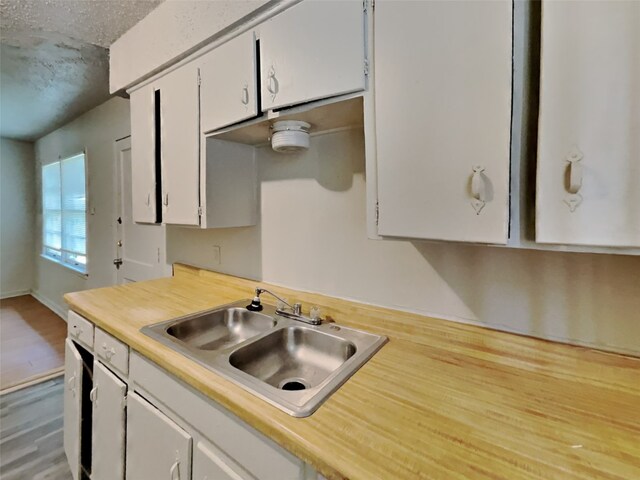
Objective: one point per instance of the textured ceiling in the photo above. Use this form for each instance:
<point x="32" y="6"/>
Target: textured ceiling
<point x="54" y="59"/>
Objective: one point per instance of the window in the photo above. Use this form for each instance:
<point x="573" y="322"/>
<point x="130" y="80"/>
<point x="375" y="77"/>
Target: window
<point x="64" y="212"/>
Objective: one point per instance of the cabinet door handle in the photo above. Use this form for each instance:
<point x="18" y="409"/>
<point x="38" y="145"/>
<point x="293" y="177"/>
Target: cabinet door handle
<point x="575" y="179"/>
<point x="77" y="331"/>
<point x="93" y="394"/>
<point x="272" y="83"/>
<point x="148" y="202"/>
<point x="108" y="352"/>
<point x="175" y="468"/>
<point x="166" y="200"/>
<point x="245" y="95"/>
<point x="478" y="189"/>
<point x="71" y="384"/>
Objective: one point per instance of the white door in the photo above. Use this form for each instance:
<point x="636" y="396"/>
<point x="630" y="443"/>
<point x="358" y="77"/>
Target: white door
<point x="228" y="83"/>
<point x="313" y="50"/>
<point x="108" y="429"/>
<point x="209" y="465"/>
<point x="180" y="140"/>
<point x="157" y="448"/>
<point x="72" y="406"/>
<point x="443" y="118"/>
<point x="588" y="186"/>
<point x="140" y="247"/>
<point x="142" y="103"/>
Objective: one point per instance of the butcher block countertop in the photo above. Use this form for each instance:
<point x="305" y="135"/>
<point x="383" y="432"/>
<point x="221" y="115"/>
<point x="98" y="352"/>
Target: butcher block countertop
<point x="440" y="400"/>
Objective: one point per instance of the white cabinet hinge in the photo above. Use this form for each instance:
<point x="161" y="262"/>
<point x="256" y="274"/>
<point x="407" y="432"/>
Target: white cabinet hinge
<point x="199" y="78"/>
<point x="377" y="213"/>
<point x="366" y="66"/>
<point x="373" y="4"/>
<point x="200" y="211"/>
<point x="158" y="254"/>
<point x="364" y="6"/>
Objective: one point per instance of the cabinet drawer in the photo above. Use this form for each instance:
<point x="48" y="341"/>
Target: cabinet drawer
<point x="80" y="329"/>
<point x="112" y="352"/>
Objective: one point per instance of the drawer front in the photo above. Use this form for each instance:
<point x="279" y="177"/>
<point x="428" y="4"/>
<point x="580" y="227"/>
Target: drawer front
<point x="80" y="329"/>
<point x="112" y="352"/>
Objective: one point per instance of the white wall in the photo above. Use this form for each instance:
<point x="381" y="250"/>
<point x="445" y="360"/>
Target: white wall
<point x="168" y="32"/>
<point x="17" y="177"/>
<point x="313" y="237"/>
<point x="95" y="132"/>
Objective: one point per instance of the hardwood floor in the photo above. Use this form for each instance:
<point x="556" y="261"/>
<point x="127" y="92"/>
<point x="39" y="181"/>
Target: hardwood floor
<point x="31" y="341"/>
<point x="31" y="436"/>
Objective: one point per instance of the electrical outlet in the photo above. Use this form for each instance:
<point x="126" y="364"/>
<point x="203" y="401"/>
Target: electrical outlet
<point x="216" y="255"/>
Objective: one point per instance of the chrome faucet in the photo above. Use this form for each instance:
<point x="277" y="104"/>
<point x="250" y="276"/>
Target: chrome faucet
<point x="294" y="314"/>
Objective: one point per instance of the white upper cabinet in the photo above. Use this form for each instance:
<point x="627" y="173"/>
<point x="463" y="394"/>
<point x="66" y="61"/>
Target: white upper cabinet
<point x="442" y="92"/>
<point x="588" y="185"/>
<point x="180" y="146"/>
<point x="143" y="169"/>
<point x="313" y="50"/>
<point x="229" y="83"/>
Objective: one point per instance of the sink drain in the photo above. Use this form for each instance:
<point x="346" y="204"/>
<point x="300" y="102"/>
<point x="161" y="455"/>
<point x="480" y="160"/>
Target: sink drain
<point x="293" y="384"/>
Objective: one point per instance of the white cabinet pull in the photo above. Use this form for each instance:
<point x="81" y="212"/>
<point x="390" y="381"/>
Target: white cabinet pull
<point x="478" y="189"/>
<point x="93" y="394"/>
<point x="575" y="179"/>
<point x="148" y="202"/>
<point x="71" y="384"/>
<point x="108" y="352"/>
<point x="175" y="468"/>
<point x="245" y="95"/>
<point x="77" y="331"/>
<point x="272" y="83"/>
<point x="166" y="199"/>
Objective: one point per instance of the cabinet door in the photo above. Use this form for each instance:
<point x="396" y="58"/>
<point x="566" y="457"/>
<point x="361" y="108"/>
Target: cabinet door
<point x="312" y="50"/>
<point x="180" y="141"/>
<point x="208" y="465"/>
<point x="228" y="83"/>
<point x="588" y="186"/>
<point x="443" y="118"/>
<point x="72" y="406"/>
<point x="108" y="397"/>
<point x="156" y="447"/>
<point x="143" y="160"/>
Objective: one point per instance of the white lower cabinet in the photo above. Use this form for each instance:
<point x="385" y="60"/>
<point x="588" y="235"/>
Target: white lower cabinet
<point x="225" y="447"/>
<point x="108" y="431"/>
<point x="149" y="425"/>
<point x="72" y="406"/>
<point x="209" y="464"/>
<point x="156" y="447"/>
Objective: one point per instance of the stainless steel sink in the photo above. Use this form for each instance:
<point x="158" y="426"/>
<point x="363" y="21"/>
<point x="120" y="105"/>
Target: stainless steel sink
<point x="219" y="329"/>
<point x="293" y="358"/>
<point x="291" y="365"/>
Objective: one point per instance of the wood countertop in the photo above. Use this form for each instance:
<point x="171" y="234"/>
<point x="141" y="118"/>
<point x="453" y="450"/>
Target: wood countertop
<point x="440" y="400"/>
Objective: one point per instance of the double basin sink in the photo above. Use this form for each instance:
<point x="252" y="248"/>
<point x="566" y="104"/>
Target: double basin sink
<point x="292" y="365"/>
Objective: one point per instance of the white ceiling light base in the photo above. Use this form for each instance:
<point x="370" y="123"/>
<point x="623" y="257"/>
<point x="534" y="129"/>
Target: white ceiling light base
<point x="290" y="136"/>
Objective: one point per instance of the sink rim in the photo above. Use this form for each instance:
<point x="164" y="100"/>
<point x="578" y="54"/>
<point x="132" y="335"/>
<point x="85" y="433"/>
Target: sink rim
<point x="297" y="403"/>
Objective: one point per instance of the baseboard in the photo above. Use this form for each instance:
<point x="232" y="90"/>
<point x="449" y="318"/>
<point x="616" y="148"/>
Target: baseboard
<point x="57" y="309"/>
<point x="15" y="293"/>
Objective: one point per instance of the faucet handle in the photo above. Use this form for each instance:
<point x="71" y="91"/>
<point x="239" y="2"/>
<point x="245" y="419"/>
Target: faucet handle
<point x="297" y="308"/>
<point x="314" y="313"/>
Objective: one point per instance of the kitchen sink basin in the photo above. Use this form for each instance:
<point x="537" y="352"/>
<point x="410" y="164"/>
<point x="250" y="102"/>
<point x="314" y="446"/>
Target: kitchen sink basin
<point x="293" y="358"/>
<point x="220" y="329"/>
<point x="292" y="365"/>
